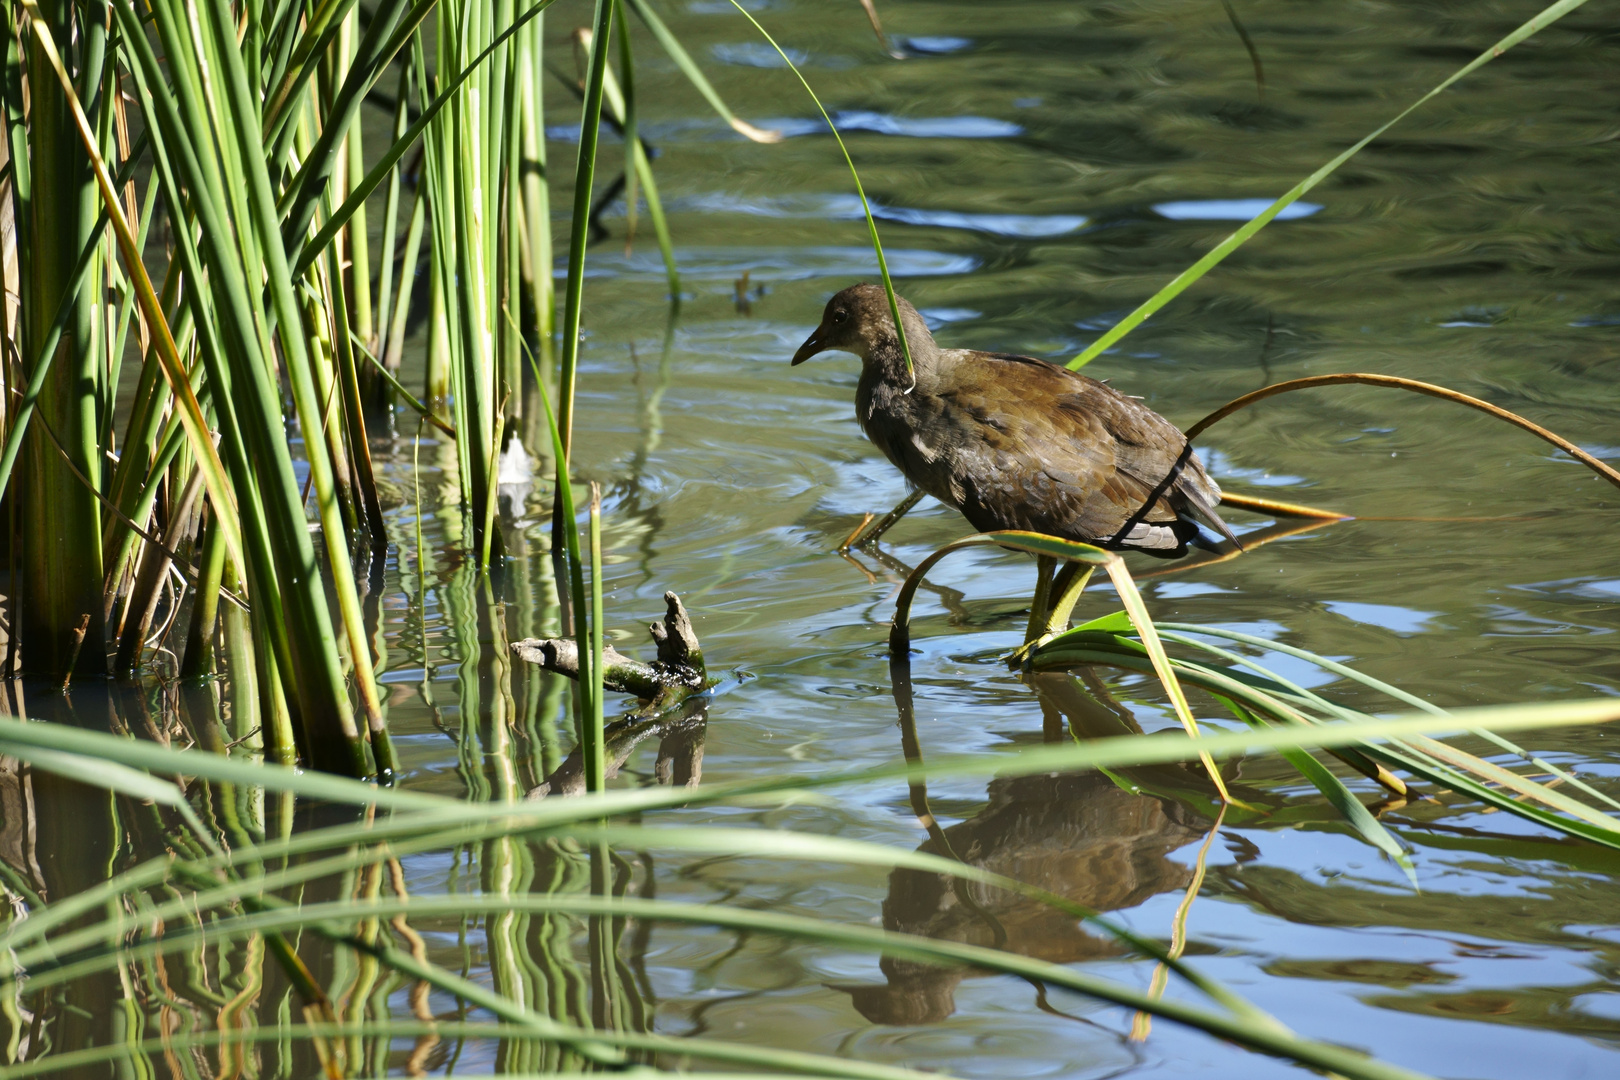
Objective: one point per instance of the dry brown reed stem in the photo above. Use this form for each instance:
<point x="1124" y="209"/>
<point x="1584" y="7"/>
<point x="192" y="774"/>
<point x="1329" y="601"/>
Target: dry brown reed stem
<point x="877" y="28"/>
<point x="1416" y="387"/>
<point x="1251" y="541"/>
<point x="1282" y="509"/>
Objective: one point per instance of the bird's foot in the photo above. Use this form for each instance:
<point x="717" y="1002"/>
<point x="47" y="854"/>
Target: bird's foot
<point x="1019" y="659"/>
<point x="849" y="541"/>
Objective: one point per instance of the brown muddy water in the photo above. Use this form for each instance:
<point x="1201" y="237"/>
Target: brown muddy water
<point x="1039" y="169"/>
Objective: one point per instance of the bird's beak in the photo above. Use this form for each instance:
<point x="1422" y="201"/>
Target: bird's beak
<point x="812" y="345"/>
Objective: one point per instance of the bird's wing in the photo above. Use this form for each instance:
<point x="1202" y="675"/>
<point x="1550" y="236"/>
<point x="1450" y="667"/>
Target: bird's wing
<point x="1155" y="451"/>
<point x="1028" y="464"/>
<point x="1098" y="465"/>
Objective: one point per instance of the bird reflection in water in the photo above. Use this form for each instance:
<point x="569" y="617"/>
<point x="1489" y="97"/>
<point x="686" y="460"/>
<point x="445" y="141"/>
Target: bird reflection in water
<point x="1079" y="835"/>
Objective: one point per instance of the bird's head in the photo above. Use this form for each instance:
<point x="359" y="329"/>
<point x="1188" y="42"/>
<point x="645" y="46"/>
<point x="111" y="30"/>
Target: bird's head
<point x="858" y="320"/>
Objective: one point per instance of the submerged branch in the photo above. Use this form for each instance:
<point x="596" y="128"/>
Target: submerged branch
<point x="675" y="675"/>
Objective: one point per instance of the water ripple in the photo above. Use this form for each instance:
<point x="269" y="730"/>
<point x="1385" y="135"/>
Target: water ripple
<point x="1230" y="209"/>
<point x="848" y="208"/>
<point x="775" y="263"/>
<point x="935" y="46"/>
<point x="755" y="54"/>
<point x="917" y="127"/>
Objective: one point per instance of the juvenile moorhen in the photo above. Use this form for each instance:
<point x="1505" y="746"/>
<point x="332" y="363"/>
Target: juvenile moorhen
<point x="1017" y="443"/>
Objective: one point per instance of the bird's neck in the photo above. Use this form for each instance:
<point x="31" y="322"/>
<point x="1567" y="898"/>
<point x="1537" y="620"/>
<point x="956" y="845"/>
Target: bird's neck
<point x="887" y="360"/>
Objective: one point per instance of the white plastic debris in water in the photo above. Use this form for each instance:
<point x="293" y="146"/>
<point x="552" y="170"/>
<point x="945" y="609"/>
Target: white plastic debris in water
<point x="517" y="467"/>
<point x="513" y="478"/>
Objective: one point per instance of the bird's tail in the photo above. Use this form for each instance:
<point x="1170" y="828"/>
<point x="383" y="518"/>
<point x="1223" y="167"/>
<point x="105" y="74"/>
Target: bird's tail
<point x="1204" y="510"/>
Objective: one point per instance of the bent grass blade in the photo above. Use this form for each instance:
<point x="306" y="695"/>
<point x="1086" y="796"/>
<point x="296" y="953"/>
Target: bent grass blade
<point x="1120" y="752"/>
<point x="1265" y="692"/>
<point x="1396" y="693"/>
<point x="1416" y="387"/>
<point x="325" y="919"/>
<point x="694" y="74"/>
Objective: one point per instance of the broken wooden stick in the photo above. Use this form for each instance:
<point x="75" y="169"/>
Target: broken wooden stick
<point x="675" y="675"/>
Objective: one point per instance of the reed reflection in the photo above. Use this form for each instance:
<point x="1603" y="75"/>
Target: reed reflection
<point x="680" y="734"/>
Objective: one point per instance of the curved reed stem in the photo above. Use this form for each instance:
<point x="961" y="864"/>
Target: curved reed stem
<point x="1416" y="387"/>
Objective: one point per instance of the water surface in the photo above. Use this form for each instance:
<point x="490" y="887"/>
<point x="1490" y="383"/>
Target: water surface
<point x="1038" y="170"/>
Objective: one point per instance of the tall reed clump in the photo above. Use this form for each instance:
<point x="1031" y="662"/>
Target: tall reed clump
<point x="186" y="197"/>
<point x="242" y="136"/>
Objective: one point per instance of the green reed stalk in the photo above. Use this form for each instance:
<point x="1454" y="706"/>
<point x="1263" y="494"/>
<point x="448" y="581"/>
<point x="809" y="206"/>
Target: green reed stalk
<point x="392" y="26"/>
<point x="299" y="56"/>
<point x="338" y="726"/>
<point x="475" y="252"/>
<point x="61" y="558"/>
<point x="197" y="660"/>
<point x="393" y="354"/>
<point x="307" y="253"/>
<point x="385" y="264"/>
<point x="596" y="757"/>
<point x="588" y="685"/>
<point x="359" y="244"/>
<point x="536" y="190"/>
<point x="627" y="121"/>
<point x="579" y="232"/>
<point x="621" y="106"/>
<point x="506" y="207"/>
<point x="288" y="596"/>
<point x="45" y="350"/>
<point x="435" y="181"/>
<point x="357" y="444"/>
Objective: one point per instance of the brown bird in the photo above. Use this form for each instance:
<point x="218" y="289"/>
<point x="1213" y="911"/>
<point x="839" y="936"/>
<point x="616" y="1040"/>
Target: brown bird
<point x="1014" y="442"/>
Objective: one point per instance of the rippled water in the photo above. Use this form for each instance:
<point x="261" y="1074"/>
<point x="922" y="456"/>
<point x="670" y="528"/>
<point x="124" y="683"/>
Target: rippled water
<point x="1038" y="169"/>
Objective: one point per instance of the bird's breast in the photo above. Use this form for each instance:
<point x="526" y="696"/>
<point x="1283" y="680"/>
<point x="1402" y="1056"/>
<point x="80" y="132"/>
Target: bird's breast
<point x="916" y="433"/>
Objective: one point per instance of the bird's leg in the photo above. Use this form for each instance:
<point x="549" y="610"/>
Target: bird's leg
<point x="849" y="541"/>
<point x="1070" y="582"/>
<point x="1044" y="565"/>
<point x="861" y="536"/>
<point x="1055" y="597"/>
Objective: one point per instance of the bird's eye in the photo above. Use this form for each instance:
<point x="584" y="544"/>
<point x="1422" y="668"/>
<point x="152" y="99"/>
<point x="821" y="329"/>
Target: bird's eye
<point x="840" y="315"/>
